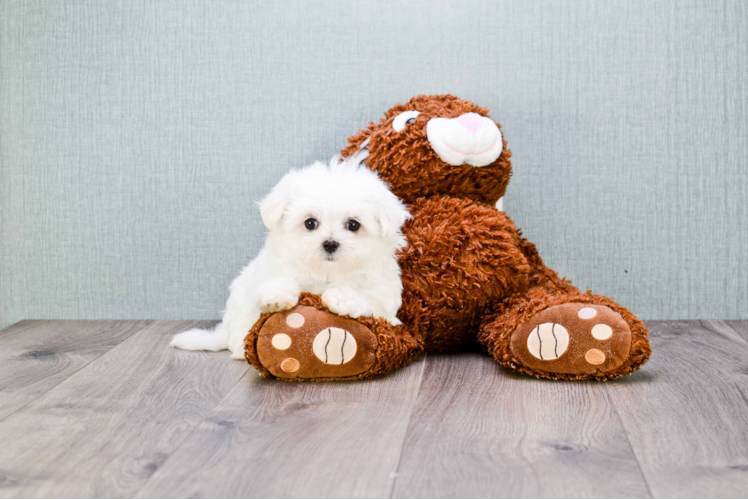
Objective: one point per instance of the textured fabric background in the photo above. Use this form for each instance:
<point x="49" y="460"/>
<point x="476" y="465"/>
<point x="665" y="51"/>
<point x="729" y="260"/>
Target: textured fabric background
<point x="136" y="135"/>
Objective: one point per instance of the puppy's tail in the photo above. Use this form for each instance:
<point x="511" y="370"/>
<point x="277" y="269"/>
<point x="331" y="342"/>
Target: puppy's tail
<point x="203" y="340"/>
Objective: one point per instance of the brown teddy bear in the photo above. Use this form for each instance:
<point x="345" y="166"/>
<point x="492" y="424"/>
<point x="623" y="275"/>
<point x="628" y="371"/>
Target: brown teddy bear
<point x="470" y="280"/>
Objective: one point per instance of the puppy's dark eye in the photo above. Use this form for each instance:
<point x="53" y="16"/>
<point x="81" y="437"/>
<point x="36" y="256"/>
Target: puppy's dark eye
<point x="412" y="120"/>
<point x="353" y="225"/>
<point x="311" y="224"/>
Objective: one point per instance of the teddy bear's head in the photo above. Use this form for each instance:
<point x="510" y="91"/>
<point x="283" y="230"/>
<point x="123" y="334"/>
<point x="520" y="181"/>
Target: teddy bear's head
<point x="436" y="145"/>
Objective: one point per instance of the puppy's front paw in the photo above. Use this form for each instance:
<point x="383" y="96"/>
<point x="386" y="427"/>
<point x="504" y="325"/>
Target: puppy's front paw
<point x="275" y="300"/>
<point x="346" y="302"/>
<point x="277" y="294"/>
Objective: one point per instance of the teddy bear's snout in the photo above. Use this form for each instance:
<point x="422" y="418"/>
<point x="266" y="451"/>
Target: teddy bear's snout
<point x="469" y="139"/>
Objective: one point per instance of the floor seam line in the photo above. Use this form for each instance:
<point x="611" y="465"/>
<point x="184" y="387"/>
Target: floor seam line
<point x="407" y="427"/>
<point x="729" y="323"/>
<point x="631" y="446"/>
<point x="191" y="432"/>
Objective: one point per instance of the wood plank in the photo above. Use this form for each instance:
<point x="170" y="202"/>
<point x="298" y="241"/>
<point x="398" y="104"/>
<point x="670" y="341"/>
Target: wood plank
<point x="686" y="412"/>
<point x="35" y="356"/>
<point x="479" y="430"/>
<point x="105" y="430"/>
<point x="277" y="439"/>
<point x="740" y="327"/>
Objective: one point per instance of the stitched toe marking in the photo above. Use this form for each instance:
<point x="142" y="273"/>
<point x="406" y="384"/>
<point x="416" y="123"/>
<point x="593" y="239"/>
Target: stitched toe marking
<point x="548" y="341"/>
<point x="334" y="346"/>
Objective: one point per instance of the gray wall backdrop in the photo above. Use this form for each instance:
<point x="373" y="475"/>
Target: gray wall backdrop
<point x="136" y="135"/>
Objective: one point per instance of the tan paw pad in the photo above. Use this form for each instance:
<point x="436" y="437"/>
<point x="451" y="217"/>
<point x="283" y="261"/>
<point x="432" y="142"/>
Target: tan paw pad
<point x="548" y="341"/>
<point x="334" y="346"/>
<point x="308" y="343"/>
<point x="573" y="338"/>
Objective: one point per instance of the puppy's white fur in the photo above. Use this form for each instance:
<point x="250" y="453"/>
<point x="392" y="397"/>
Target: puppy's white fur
<point x="362" y="276"/>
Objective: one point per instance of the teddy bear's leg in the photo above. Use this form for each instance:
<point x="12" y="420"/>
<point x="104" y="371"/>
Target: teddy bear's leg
<point x="310" y="343"/>
<point x="554" y="331"/>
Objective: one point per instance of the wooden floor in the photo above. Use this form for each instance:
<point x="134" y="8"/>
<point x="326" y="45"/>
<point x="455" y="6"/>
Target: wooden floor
<point x="107" y="409"/>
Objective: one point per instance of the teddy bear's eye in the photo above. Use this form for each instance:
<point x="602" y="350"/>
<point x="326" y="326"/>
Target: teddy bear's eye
<point x="403" y="119"/>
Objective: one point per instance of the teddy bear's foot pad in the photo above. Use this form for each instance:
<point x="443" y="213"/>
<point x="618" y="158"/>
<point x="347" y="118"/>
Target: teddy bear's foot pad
<point x="573" y="338"/>
<point x="306" y="343"/>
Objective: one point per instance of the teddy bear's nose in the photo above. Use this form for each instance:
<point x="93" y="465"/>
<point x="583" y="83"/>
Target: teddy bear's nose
<point x="471" y="121"/>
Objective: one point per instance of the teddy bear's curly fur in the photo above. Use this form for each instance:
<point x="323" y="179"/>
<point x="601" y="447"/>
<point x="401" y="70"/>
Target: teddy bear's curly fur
<point x="470" y="279"/>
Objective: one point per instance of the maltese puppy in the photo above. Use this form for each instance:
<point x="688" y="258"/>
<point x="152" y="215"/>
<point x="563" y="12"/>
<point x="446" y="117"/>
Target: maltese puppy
<point x="334" y="231"/>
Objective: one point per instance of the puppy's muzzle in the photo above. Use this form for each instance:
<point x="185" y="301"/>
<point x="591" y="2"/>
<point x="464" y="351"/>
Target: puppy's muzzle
<point x="330" y="246"/>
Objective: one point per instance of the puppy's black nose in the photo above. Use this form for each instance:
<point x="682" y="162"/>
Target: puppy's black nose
<point x="330" y="245"/>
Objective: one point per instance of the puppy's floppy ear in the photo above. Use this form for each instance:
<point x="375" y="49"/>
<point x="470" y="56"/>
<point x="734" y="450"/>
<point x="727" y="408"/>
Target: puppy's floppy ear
<point x="275" y="203"/>
<point x="391" y="214"/>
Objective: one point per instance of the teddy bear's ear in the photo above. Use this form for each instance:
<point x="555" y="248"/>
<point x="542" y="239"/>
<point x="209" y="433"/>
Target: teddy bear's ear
<point x="391" y="215"/>
<point x="274" y="205"/>
<point x="362" y="153"/>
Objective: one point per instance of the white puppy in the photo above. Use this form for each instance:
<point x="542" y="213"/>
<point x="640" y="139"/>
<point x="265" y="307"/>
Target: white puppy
<point x="334" y="231"/>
